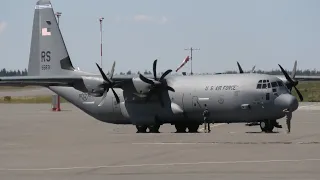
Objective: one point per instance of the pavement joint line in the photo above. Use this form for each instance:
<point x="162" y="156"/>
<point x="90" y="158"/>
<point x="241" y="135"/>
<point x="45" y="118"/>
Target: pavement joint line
<point x="162" y="164"/>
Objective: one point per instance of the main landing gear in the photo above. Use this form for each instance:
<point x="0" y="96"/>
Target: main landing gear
<point x="152" y="128"/>
<point x="182" y="127"/>
<point x="268" y="125"/>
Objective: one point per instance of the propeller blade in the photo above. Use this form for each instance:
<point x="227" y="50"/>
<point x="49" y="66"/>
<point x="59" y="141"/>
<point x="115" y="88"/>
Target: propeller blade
<point x="165" y="74"/>
<point x="103" y="97"/>
<point x="170" y="89"/>
<point x="103" y="75"/>
<point x="240" y="68"/>
<point x="252" y="70"/>
<point x="299" y="94"/>
<point x="116" y="96"/>
<point x="112" y="69"/>
<point x="294" y="70"/>
<point x="155" y="69"/>
<point x="146" y="80"/>
<point x="286" y="75"/>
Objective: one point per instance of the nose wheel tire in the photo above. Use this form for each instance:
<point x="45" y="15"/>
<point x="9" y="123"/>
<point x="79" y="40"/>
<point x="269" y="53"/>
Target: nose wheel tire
<point x="266" y="126"/>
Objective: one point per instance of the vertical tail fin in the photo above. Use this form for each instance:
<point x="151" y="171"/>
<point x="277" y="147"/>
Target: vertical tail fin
<point x="48" y="53"/>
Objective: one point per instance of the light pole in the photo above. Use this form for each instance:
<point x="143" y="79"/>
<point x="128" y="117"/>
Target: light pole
<point x="101" y="19"/>
<point x="191" y="50"/>
<point x="58" y="14"/>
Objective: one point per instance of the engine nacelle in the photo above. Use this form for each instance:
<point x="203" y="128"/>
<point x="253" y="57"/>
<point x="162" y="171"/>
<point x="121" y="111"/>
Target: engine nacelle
<point x="140" y="86"/>
<point x="90" y="85"/>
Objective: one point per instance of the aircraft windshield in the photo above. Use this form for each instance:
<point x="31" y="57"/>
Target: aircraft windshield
<point x="279" y="84"/>
<point x="263" y="84"/>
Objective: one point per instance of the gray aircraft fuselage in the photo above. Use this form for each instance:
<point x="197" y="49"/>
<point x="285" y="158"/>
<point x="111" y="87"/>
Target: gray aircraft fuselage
<point x="230" y="98"/>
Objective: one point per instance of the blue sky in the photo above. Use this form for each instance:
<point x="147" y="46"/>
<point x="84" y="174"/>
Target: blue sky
<point x="135" y="32"/>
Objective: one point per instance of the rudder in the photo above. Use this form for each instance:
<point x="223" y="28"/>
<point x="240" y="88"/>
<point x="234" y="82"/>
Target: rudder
<point x="48" y="53"/>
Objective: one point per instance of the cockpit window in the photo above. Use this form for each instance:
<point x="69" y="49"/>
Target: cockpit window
<point x="259" y="86"/>
<point x="280" y="83"/>
<point x="263" y="84"/>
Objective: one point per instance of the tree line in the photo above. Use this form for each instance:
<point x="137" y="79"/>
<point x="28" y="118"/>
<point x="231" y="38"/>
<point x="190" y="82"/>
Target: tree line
<point x="5" y="72"/>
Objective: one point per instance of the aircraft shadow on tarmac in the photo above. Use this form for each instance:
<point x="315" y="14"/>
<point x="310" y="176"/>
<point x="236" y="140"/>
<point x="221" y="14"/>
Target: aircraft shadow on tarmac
<point x="260" y="132"/>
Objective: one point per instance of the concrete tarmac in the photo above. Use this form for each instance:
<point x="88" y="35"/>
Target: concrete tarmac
<point x="36" y="143"/>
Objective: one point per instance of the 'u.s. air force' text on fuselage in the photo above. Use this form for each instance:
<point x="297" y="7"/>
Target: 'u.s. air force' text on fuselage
<point x="221" y="88"/>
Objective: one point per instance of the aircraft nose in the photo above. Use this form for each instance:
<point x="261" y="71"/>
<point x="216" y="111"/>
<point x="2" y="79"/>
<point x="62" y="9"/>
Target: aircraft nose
<point x="287" y="101"/>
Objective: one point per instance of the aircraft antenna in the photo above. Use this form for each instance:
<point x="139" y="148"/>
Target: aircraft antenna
<point x="58" y="14"/>
<point x="101" y="19"/>
<point x="191" y="49"/>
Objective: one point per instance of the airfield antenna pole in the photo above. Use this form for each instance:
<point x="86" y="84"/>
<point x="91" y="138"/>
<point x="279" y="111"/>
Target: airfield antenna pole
<point x="58" y="14"/>
<point x="101" y="19"/>
<point x="191" y="49"/>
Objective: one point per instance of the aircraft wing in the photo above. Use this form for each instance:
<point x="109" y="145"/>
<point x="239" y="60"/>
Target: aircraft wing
<point x="39" y="80"/>
<point x="301" y="78"/>
<point x="54" y="80"/>
<point x="307" y="78"/>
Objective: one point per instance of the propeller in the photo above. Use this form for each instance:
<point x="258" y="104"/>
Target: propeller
<point x="107" y="84"/>
<point x="158" y="84"/>
<point x="241" y="70"/>
<point x="291" y="82"/>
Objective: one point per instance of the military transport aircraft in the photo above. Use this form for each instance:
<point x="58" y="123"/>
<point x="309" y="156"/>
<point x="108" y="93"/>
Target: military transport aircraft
<point x="150" y="101"/>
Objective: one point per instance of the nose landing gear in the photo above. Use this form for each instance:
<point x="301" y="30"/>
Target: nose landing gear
<point x="268" y="125"/>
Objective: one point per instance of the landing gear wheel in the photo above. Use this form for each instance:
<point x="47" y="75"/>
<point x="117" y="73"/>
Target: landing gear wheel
<point x="154" y="128"/>
<point x="181" y="128"/>
<point x="141" y="128"/>
<point x="266" y="126"/>
<point x="193" y="128"/>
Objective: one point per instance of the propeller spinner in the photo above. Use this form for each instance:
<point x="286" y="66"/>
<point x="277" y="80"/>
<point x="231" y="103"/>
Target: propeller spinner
<point x="157" y="85"/>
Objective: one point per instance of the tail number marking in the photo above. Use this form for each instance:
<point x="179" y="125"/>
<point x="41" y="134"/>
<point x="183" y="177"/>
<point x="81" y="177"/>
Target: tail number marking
<point x="45" y="59"/>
